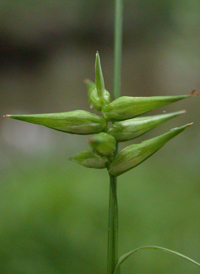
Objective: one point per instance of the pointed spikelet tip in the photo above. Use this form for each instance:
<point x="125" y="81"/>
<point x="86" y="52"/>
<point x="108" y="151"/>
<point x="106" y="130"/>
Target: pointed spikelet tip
<point x="194" y="92"/>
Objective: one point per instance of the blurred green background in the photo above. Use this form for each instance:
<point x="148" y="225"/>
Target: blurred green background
<point x="53" y="212"/>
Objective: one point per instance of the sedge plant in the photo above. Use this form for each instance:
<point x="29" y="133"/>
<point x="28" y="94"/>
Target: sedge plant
<point x="118" y="122"/>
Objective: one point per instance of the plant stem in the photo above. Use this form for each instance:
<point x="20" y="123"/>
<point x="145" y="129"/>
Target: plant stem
<point x="118" y="47"/>
<point x="113" y="227"/>
<point x="112" y="256"/>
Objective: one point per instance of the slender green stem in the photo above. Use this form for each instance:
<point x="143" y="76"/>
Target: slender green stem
<point x="112" y="256"/>
<point x="118" y="47"/>
<point x="113" y="227"/>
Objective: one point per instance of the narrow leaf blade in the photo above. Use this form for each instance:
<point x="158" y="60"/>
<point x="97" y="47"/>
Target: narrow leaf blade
<point x="127" y="255"/>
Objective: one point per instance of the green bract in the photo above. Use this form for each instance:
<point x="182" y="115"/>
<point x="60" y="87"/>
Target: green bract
<point x="125" y="127"/>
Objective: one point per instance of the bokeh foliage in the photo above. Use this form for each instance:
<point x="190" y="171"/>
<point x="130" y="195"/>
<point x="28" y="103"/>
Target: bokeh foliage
<point x="54" y="216"/>
<point x="53" y="212"/>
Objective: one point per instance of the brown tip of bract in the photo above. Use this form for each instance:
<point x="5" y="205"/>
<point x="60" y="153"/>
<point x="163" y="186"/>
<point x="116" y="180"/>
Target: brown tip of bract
<point x="184" y="111"/>
<point x="86" y="80"/>
<point x="190" y="124"/>
<point x="194" y="92"/>
<point x="6" y="116"/>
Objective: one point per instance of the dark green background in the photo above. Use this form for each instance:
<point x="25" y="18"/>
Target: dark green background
<point x="53" y="213"/>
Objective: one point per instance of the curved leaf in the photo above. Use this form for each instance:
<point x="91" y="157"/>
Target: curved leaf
<point x="127" y="255"/>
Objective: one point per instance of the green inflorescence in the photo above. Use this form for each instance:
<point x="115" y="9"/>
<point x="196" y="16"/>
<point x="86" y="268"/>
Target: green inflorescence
<point x="122" y="112"/>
